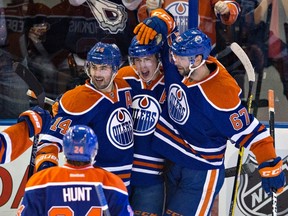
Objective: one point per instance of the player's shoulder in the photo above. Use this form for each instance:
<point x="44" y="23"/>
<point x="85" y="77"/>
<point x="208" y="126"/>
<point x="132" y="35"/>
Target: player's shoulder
<point x="127" y="73"/>
<point x="80" y="99"/>
<point x="220" y="88"/>
<point x="120" y="79"/>
<point x="110" y="179"/>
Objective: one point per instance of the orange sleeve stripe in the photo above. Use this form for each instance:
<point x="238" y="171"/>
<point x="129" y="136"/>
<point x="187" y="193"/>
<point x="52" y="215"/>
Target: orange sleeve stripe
<point x="148" y="165"/>
<point x="210" y="157"/>
<point x="245" y="139"/>
<point x="177" y="139"/>
<point x="181" y="141"/>
<point x="124" y="176"/>
<point x="210" y="192"/>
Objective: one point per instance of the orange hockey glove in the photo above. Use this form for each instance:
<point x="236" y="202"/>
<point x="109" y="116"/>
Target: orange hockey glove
<point x="160" y="22"/>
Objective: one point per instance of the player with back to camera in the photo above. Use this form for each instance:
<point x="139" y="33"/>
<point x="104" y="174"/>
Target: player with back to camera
<point x="204" y="111"/>
<point x="102" y="103"/>
<point x="14" y="140"/>
<point x="71" y="189"/>
<point x="146" y="77"/>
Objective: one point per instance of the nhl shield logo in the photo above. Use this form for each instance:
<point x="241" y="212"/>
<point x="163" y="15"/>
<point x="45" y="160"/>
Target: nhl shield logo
<point x="252" y="199"/>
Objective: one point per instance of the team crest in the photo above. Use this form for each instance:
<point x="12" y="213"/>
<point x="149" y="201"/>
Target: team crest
<point x="252" y="199"/>
<point x="120" y="129"/>
<point x="180" y="10"/>
<point x="146" y="112"/>
<point x="177" y="104"/>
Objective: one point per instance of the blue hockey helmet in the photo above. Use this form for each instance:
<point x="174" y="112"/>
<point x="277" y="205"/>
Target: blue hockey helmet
<point x="104" y="53"/>
<point x="80" y="143"/>
<point x="192" y="42"/>
<point x="139" y="50"/>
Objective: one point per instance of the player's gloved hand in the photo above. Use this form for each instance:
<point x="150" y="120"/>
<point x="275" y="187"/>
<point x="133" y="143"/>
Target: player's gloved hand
<point x="46" y="157"/>
<point x="45" y="165"/>
<point x="153" y="4"/>
<point x="221" y="8"/>
<point x="273" y="178"/>
<point x="37" y="119"/>
<point x="160" y="22"/>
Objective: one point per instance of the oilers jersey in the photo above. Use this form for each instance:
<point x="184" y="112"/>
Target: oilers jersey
<point x="202" y="116"/>
<point x="69" y="190"/>
<point x="108" y="114"/>
<point x="11" y="147"/>
<point x="148" y="102"/>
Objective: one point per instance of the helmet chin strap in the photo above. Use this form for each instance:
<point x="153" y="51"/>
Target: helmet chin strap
<point x="191" y="69"/>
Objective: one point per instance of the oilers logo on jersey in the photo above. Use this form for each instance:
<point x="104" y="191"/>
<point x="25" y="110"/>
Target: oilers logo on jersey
<point x="178" y="107"/>
<point x="120" y="129"/>
<point x="146" y="112"/>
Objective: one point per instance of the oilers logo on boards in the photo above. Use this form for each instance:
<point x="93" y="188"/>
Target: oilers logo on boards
<point x="110" y="16"/>
<point x="146" y="112"/>
<point x="252" y="199"/>
<point x="178" y="107"/>
<point x="180" y="10"/>
<point x="119" y="129"/>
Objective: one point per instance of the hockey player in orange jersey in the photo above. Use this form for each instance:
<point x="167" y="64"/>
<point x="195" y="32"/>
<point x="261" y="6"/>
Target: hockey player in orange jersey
<point x="77" y="188"/>
<point x="14" y="140"/>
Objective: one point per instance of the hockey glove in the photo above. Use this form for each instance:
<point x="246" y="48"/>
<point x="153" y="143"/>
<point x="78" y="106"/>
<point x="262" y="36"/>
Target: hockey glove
<point x="46" y="157"/>
<point x="160" y="22"/>
<point x="273" y="179"/>
<point x="37" y="119"/>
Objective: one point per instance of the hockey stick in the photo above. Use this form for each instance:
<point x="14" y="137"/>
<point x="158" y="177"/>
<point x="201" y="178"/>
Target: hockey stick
<point x="271" y="110"/>
<point x="247" y="168"/>
<point x="33" y="84"/>
<point x="32" y="94"/>
<point x="242" y="56"/>
<point x="102" y="200"/>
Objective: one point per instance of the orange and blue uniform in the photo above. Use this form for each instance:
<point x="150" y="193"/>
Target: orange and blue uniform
<point x="108" y="114"/>
<point x="72" y="190"/>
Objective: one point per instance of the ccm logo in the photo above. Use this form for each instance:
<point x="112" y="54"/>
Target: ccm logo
<point x="271" y="173"/>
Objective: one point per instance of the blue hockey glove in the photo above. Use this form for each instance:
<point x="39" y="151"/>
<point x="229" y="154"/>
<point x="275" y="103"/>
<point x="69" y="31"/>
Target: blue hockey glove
<point x="37" y="119"/>
<point x="273" y="178"/>
<point x="160" y="22"/>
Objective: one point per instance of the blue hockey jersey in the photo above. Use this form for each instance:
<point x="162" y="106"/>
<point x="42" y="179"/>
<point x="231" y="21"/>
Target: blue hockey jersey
<point x="201" y="116"/>
<point x="108" y="114"/>
<point x="148" y="102"/>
